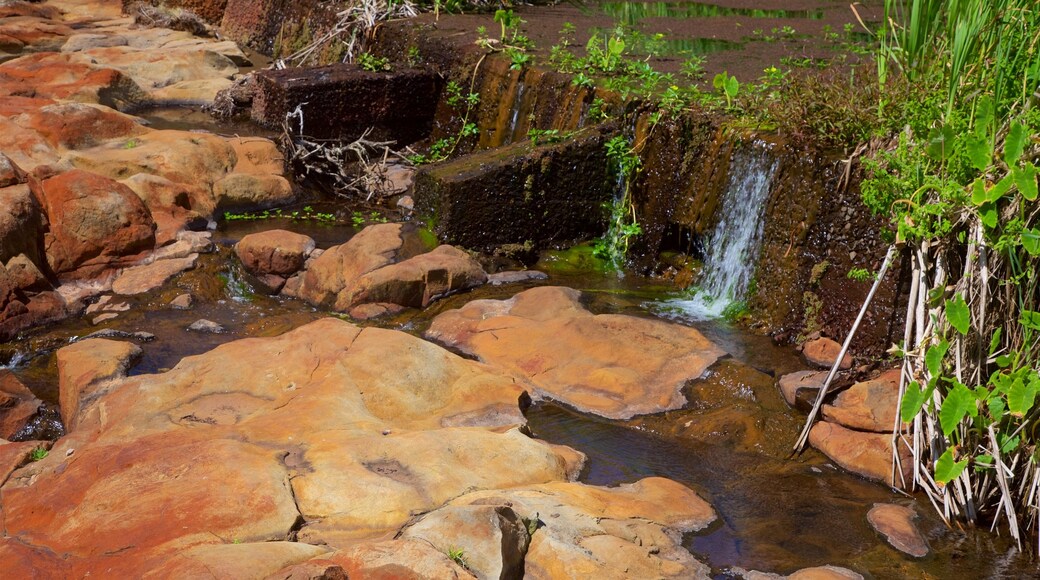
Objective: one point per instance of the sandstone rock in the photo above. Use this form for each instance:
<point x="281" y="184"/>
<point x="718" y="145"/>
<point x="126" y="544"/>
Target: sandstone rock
<point x="21" y="223"/>
<point x="85" y="369"/>
<point x="823" y="352"/>
<point x="246" y="192"/>
<point x="25" y="275"/>
<point x="410" y="558"/>
<point x="896" y="524"/>
<point x="174" y="251"/>
<point x="494" y="539"/>
<point x="415" y="282"/>
<point x="334" y="270"/>
<point x="611" y="365"/>
<point x="514" y="277"/>
<point x="182" y="157"/>
<point x="257" y="156"/>
<point x="867" y="406"/>
<point x="374" y="310"/>
<point x="631" y="531"/>
<point x="78" y="125"/>
<point x="104" y="318"/>
<point x="159" y="192"/>
<point x="95" y="223"/>
<point x="17" y="407"/>
<point x="792" y="384"/>
<point x="182" y="302"/>
<point x="203" y="325"/>
<point x="141" y="279"/>
<point x="10" y="174"/>
<point x="190" y="92"/>
<point x="69" y="76"/>
<point x="320" y="569"/>
<point x="825" y="573"/>
<point x="278" y="252"/>
<point x="866" y="454"/>
<point x="15" y="455"/>
<point x="253" y="560"/>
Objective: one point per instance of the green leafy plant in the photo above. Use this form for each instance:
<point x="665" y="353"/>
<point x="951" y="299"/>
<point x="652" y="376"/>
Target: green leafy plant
<point x="622" y="225"/>
<point x="130" y="144"/>
<point x="860" y="275"/>
<point x="458" y="556"/>
<point x="726" y="85"/>
<point x="38" y="453"/>
<point x="543" y="136"/>
<point x="372" y="63"/>
<point x="305" y="214"/>
<point x="518" y="58"/>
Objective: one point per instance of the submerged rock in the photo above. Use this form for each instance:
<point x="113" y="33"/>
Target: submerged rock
<point x="866" y="454"/>
<point x="896" y="524"/>
<point x="612" y="365"/>
<point x="203" y="325"/>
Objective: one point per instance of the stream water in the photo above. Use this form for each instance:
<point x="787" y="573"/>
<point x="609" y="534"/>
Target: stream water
<point x="776" y="515"/>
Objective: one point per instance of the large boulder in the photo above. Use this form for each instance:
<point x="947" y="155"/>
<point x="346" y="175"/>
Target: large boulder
<point x="78" y="125"/>
<point x="95" y="224"/>
<point x="277" y="252"/>
<point x="22" y="221"/>
<point x="17" y="406"/>
<point x="85" y="369"/>
<point x="247" y="192"/>
<point x="69" y="76"/>
<point x="335" y="270"/>
<point x="611" y="365"/>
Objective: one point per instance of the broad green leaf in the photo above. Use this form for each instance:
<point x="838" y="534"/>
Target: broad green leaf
<point x="1015" y="143"/>
<point x="913" y="400"/>
<point x="1020" y="397"/>
<point x="1031" y="241"/>
<point x="978" y="191"/>
<point x="934" y="356"/>
<point x="719" y="82"/>
<point x="984" y="113"/>
<point x="988" y="214"/>
<point x="998" y="190"/>
<point x="984" y="461"/>
<point x="1025" y="179"/>
<point x="1008" y="444"/>
<point x="980" y="151"/>
<point x="946" y="470"/>
<point x="1004" y="361"/>
<point x="940" y="143"/>
<point x="994" y="342"/>
<point x="958" y="315"/>
<point x="732" y="86"/>
<point x="1030" y="319"/>
<point x="996" y="408"/>
<point x="959" y="403"/>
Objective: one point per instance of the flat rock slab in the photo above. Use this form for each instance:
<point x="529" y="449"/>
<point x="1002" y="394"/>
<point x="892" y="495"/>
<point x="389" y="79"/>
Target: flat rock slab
<point x="793" y="384"/>
<point x="823" y="352"/>
<point x="519" y="194"/>
<point x="867" y="406"/>
<point x="611" y="365"/>
<point x="866" y="454"/>
<point x="342" y="101"/>
<point x="896" y="523"/>
<point x="141" y="279"/>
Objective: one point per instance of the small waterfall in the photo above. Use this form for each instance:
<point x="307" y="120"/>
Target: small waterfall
<point x="732" y="248"/>
<point x="514" y="115"/>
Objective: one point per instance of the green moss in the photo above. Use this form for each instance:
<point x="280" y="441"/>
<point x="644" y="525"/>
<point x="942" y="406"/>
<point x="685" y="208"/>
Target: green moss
<point x="580" y="258"/>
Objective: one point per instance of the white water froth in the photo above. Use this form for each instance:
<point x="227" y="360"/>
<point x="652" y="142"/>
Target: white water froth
<point x="732" y="248"/>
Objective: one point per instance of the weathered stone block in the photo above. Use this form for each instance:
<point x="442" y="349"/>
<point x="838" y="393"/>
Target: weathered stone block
<point x="517" y="194"/>
<point x="342" y="101"/>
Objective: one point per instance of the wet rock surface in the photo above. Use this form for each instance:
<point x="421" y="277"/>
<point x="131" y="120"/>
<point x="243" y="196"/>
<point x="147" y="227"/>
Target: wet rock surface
<point x="869" y="405"/>
<point x="369" y="410"/>
<point x="611" y="365"/>
<point x="866" y="454"/>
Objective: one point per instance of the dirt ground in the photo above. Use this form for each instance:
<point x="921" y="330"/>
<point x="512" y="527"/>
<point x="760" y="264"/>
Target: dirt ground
<point x="741" y="37"/>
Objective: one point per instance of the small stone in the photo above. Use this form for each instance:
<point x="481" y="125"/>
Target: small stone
<point x="98" y="306"/>
<point x="203" y="325"/>
<point x="374" y="310"/>
<point x="896" y="523"/>
<point x="201" y="242"/>
<point x="406" y="203"/>
<point x="120" y="307"/>
<point x="823" y="352"/>
<point x="103" y="317"/>
<point x="182" y="302"/>
<point x="825" y="573"/>
<point x="793" y="383"/>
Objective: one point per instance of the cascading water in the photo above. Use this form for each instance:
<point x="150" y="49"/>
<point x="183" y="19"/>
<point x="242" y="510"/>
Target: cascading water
<point x="731" y="250"/>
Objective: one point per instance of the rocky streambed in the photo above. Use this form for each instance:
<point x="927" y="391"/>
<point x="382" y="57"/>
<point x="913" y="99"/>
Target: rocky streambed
<point x="330" y="399"/>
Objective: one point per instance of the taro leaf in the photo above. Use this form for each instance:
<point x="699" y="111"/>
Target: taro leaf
<point x="996" y="408"/>
<point x="978" y="191"/>
<point x="1004" y="361"/>
<point x="913" y="400"/>
<point x="980" y="151"/>
<point x="719" y="82"/>
<point x="1007" y="443"/>
<point x="1031" y="241"/>
<point x="732" y="87"/>
<point x="1015" y="143"/>
<point x="946" y="470"/>
<point x="958" y="315"/>
<point x="940" y="143"/>
<point x="933" y="358"/>
<point x="959" y="403"/>
<point x="998" y="190"/>
<point x="1020" y="397"/>
<point x="988" y="214"/>
<point x="984" y="114"/>
<point x="984" y="462"/>
<point x="1030" y="319"/>
<point x="994" y="342"/>
<point x="1025" y="179"/>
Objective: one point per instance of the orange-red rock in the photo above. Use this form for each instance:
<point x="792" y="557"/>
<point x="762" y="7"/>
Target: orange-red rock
<point x="823" y="352"/>
<point x="867" y="406"/>
<point x="866" y="454"/>
<point x="612" y="365"/>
